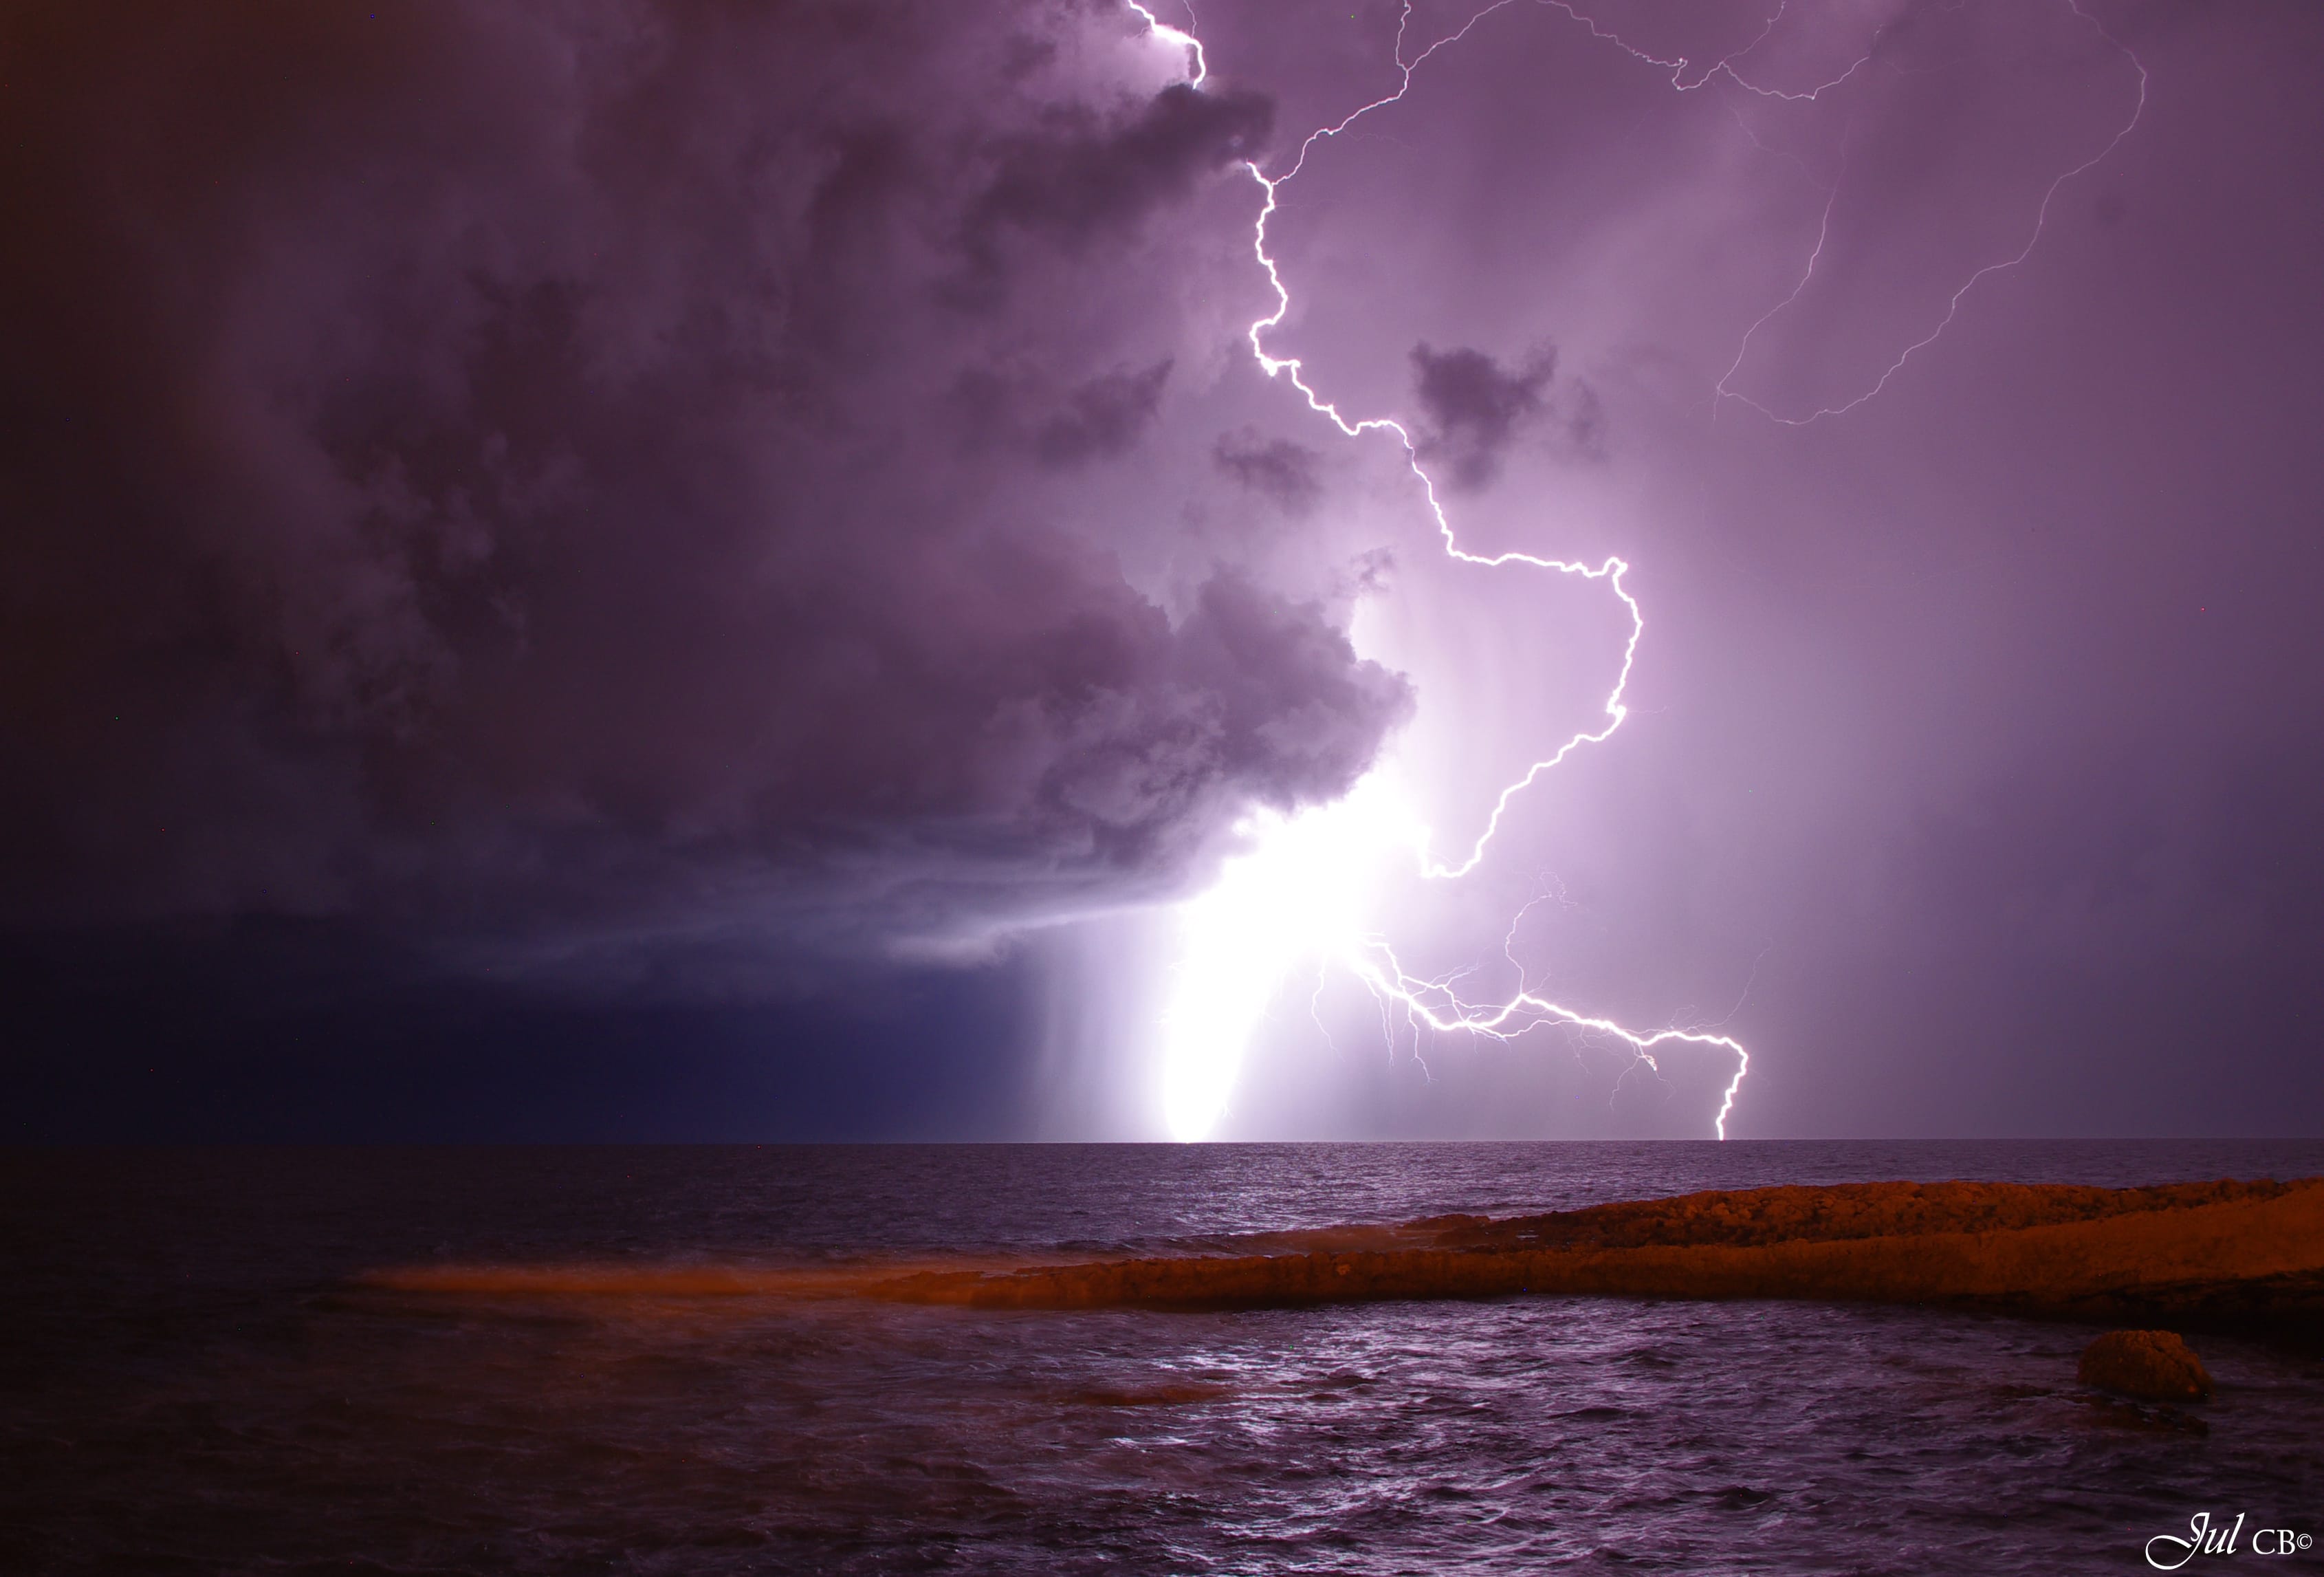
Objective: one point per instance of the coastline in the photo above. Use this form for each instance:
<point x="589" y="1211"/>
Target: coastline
<point x="2222" y="1255"/>
<point x="2236" y="1257"/>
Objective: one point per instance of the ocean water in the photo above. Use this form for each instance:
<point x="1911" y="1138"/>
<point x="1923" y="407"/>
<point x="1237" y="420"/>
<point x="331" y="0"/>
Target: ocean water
<point x="194" y="1379"/>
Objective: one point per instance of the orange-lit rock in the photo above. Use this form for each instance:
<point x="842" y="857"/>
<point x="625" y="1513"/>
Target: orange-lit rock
<point x="2250" y="1253"/>
<point x="2155" y="1366"/>
<point x="2244" y="1256"/>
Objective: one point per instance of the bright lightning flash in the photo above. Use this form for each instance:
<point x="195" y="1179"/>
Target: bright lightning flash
<point x="1291" y="901"/>
<point x="1163" y="32"/>
<point x="1294" y="896"/>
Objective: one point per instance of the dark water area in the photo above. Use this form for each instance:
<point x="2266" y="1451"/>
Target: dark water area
<point x="193" y="1380"/>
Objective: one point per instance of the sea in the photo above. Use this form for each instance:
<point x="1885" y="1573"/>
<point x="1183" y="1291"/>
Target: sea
<point x="195" y="1377"/>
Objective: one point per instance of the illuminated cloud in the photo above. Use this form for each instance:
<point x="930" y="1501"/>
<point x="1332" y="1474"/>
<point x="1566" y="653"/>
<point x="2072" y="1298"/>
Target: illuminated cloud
<point x="666" y="493"/>
<point x="618" y="471"/>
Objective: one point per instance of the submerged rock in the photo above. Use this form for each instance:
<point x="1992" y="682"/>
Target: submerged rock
<point x="2155" y="1366"/>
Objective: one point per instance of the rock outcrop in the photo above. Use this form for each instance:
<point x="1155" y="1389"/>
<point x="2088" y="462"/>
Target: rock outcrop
<point x="2153" y="1366"/>
<point x="2243" y="1255"/>
<point x="2246" y="1257"/>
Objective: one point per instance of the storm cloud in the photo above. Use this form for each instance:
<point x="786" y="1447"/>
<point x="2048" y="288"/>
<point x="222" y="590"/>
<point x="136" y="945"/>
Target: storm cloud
<point x="764" y="502"/>
<point x="504" y="469"/>
<point x="1276" y="469"/>
<point x="1474" y="410"/>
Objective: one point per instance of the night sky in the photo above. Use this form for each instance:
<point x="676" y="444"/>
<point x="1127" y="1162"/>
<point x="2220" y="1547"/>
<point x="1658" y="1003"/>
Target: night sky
<point x="597" y="569"/>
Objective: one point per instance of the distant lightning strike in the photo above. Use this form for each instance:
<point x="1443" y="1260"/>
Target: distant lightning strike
<point x="1526" y="1011"/>
<point x="1954" y="303"/>
<point x="1293" y="888"/>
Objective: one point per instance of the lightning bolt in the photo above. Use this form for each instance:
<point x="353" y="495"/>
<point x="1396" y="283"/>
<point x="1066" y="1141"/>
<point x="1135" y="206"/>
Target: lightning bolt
<point x="1199" y="70"/>
<point x="1289" y="369"/>
<point x="1954" y="303"/>
<point x="1371" y="960"/>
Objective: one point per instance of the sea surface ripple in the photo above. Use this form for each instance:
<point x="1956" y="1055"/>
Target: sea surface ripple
<point x="193" y="1378"/>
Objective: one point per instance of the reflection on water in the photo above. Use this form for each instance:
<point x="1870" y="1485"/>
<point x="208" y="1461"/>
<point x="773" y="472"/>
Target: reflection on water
<point x="195" y="1379"/>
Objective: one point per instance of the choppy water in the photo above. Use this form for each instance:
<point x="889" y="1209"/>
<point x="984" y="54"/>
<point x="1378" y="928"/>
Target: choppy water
<point x="190" y="1382"/>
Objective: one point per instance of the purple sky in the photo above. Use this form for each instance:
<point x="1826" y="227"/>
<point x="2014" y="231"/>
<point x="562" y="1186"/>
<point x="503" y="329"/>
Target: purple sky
<point x="624" y="526"/>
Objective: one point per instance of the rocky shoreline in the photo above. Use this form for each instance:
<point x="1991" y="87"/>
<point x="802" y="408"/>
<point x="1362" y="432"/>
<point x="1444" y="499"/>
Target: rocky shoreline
<point x="2231" y="1256"/>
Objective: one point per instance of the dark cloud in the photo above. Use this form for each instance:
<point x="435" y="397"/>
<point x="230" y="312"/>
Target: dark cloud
<point x="1029" y="416"/>
<point x="1472" y="409"/>
<point x="1276" y="469"/>
<point x="1103" y="417"/>
<point x="502" y="471"/>
<point x="1581" y="423"/>
<point x="1081" y="176"/>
